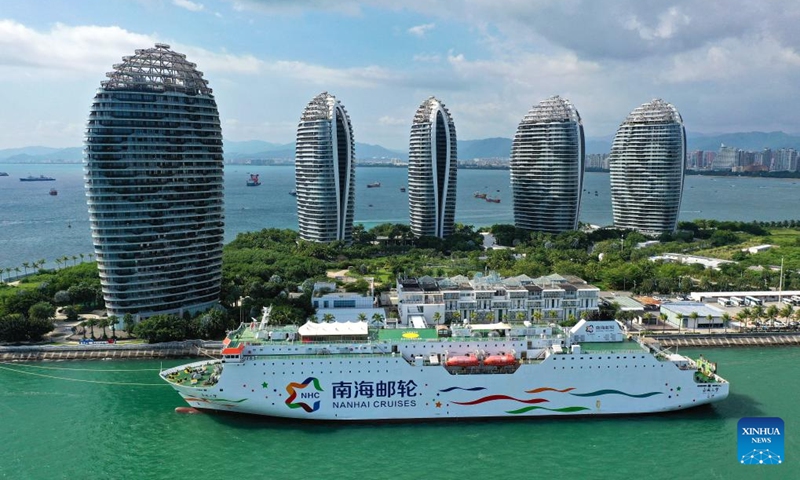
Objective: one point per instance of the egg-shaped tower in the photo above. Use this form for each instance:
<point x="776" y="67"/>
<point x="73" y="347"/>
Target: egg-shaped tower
<point x="153" y="171"/>
<point x="647" y="164"/>
<point x="547" y="162"/>
<point x="432" y="167"/>
<point x="325" y="173"/>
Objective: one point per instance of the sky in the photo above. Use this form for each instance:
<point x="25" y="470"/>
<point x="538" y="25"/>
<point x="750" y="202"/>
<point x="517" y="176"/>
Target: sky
<point x="727" y="65"/>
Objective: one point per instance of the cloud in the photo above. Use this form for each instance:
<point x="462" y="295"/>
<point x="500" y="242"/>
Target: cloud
<point x="427" y="58"/>
<point x="421" y="30"/>
<point x="189" y="5"/>
<point x="387" y="120"/>
<point x="347" y="7"/>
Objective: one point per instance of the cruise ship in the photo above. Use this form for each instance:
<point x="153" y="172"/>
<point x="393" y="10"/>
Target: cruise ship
<point x="356" y="372"/>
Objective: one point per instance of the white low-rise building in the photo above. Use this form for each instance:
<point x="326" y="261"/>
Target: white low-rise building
<point x="707" y="262"/>
<point x="682" y="315"/>
<point x="490" y="298"/>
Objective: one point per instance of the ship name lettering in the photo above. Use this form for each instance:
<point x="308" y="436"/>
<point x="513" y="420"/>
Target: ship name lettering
<point x="380" y="389"/>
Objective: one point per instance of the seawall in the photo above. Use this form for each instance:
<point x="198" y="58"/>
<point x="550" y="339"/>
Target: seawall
<point x="728" y="340"/>
<point x="187" y="349"/>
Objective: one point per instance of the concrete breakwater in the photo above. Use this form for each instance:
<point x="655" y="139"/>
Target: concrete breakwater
<point x="96" y="351"/>
<point x="728" y="340"/>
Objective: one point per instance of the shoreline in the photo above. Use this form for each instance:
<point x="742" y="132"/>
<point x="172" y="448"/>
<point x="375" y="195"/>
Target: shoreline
<point x="206" y="349"/>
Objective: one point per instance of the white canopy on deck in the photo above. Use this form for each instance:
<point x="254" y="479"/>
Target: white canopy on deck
<point x="490" y="326"/>
<point x="311" y="329"/>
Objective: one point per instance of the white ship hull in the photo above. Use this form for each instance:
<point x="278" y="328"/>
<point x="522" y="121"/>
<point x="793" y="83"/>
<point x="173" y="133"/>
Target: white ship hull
<point x="287" y="382"/>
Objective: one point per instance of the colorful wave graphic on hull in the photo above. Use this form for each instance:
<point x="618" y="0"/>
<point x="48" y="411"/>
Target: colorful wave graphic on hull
<point x="599" y="393"/>
<point x="492" y="398"/>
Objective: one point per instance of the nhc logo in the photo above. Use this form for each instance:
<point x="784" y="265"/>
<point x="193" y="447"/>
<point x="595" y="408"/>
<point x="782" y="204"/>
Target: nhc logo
<point x="304" y="393"/>
<point x="760" y="441"/>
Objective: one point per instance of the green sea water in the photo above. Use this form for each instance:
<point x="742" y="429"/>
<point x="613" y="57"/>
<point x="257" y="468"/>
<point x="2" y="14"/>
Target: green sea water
<point x="84" y="419"/>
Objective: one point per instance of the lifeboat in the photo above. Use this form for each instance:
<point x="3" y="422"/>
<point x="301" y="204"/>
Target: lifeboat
<point x="462" y="361"/>
<point x="501" y="360"/>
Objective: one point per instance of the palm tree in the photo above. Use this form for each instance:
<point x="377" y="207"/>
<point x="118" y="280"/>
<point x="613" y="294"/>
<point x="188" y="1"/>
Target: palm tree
<point x="112" y="322"/>
<point x="313" y="318"/>
<point x="742" y="317"/>
<point x="90" y="255"/>
<point x="786" y="312"/>
<point x="362" y="317"/>
<point x="710" y="318"/>
<point x="473" y="315"/>
<point x="41" y="262"/>
<point x="26" y="266"/>
<point x="82" y="256"/>
<point x="103" y="323"/>
<point x="58" y="262"/>
<point x="694" y="316"/>
<point x="64" y="260"/>
<point x="377" y="319"/>
<point x="772" y="312"/>
<point x="328" y="318"/>
<point x="17" y="270"/>
<point x="726" y="318"/>
<point x="520" y="316"/>
<point x="436" y="317"/>
<point x="456" y="316"/>
<point x="91" y="323"/>
<point x="8" y="273"/>
<point x="537" y="316"/>
<point x="663" y="317"/>
<point x="74" y="260"/>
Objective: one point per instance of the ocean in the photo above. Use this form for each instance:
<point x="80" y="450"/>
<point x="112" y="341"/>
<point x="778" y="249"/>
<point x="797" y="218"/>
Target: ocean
<point x="35" y="225"/>
<point x="116" y="420"/>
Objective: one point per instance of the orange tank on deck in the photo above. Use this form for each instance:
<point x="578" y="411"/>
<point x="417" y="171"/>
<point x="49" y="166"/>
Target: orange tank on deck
<point x="500" y="360"/>
<point x="462" y="361"/>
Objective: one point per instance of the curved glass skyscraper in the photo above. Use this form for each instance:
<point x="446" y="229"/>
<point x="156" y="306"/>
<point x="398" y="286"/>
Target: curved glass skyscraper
<point x="153" y="171"/>
<point x="647" y="164"/>
<point x="547" y="161"/>
<point x="432" y="165"/>
<point x="325" y="171"/>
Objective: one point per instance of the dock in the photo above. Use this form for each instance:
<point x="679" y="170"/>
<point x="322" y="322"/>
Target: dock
<point x="728" y="340"/>
<point x="98" y="351"/>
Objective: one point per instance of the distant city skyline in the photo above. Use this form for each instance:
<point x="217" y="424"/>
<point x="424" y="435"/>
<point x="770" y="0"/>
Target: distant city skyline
<point x="265" y="58"/>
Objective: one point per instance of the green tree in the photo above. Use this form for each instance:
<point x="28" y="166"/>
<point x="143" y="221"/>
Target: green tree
<point x="362" y="317"/>
<point x="128" y="323"/>
<point x="328" y="318"/>
<point x="42" y="311"/>
<point x="113" y="320"/>
<point x="162" y="328"/>
<point x="377" y="319"/>
<point x="437" y="317"/>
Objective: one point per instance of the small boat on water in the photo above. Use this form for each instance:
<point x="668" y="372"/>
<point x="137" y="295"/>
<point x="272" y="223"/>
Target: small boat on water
<point x="402" y="189"/>
<point x="40" y="178"/>
<point x="479" y="195"/>
<point x="492" y="200"/>
<point x="374" y="185"/>
<point x="53" y="192"/>
<point x="253" y="181"/>
<point x="3" y="174"/>
<point x="293" y="193"/>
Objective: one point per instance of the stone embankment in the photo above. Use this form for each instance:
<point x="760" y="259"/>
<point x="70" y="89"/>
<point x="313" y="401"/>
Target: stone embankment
<point x="187" y="349"/>
<point x="728" y="340"/>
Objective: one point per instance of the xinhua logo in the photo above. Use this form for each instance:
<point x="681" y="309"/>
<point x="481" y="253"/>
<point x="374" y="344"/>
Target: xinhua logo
<point x="760" y="441"/>
<point x="309" y="390"/>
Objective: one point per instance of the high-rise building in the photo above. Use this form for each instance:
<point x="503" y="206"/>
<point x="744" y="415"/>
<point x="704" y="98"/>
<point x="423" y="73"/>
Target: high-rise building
<point x="325" y="171"/>
<point x="432" y="166"/>
<point x="647" y="163"/>
<point x="153" y="170"/>
<point x="547" y="164"/>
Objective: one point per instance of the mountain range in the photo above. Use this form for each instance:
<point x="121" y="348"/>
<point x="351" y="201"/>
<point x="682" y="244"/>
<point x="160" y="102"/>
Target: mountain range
<point x="497" y="147"/>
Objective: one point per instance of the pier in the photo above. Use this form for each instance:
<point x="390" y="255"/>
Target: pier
<point x="99" y="351"/>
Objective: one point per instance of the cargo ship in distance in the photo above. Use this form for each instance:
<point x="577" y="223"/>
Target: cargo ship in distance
<point x="40" y="178"/>
<point x="356" y="372"/>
